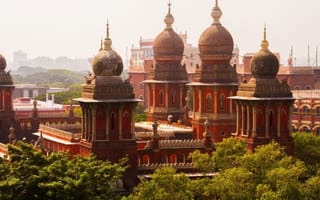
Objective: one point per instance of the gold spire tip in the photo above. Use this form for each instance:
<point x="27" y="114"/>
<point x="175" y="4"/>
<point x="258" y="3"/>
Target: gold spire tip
<point x="108" y="28"/>
<point x="169" y="19"/>
<point x="107" y="40"/>
<point x="264" y="43"/>
<point x="265" y="32"/>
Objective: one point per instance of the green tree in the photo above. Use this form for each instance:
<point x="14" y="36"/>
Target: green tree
<point x="224" y="157"/>
<point x="65" y="97"/>
<point x="29" y="174"/>
<point x="164" y="184"/>
<point x="307" y="149"/>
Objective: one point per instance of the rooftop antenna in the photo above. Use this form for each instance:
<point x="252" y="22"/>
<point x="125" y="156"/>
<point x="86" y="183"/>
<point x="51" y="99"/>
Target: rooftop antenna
<point x="308" y="55"/>
<point x="317" y="56"/>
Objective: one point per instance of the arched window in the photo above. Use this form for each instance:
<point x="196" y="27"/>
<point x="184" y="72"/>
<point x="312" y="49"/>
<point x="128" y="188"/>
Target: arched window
<point x="305" y="110"/>
<point x="173" y="98"/>
<point x="305" y="129"/>
<point x="161" y="97"/>
<point x="141" y="86"/>
<point x="294" y="109"/>
<point x="112" y="121"/>
<point x="209" y="102"/>
<point x="318" y="111"/>
<point x="297" y="87"/>
<point x="270" y="118"/>
<point x="221" y="102"/>
<point x="307" y="87"/>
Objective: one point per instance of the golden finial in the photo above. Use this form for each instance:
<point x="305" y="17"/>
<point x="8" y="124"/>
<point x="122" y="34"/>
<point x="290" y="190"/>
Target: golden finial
<point x="169" y="19"/>
<point x="108" y="28"/>
<point x="265" y="43"/>
<point x="107" y="40"/>
<point x="216" y="13"/>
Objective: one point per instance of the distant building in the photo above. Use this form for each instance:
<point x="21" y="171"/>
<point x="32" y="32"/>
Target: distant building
<point x="32" y="90"/>
<point x="141" y="62"/>
<point x="20" y="58"/>
<point x="306" y="111"/>
<point x="298" y="77"/>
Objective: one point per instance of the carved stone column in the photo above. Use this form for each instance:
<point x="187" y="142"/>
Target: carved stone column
<point x="278" y="119"/>
<point x="215" y="100"/>
<point x="254" y="120"/>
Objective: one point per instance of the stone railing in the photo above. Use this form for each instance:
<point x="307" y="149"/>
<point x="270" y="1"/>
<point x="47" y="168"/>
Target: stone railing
<point x="57" y="131"/>
<point x="53" y="114"/>
<point x="306" y="93"/>
<point x="178" y="144"/>
<point x="153" y="166"/>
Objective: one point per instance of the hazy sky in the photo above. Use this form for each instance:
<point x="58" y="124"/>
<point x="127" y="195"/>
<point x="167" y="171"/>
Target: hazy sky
<point x="73" y="28"/>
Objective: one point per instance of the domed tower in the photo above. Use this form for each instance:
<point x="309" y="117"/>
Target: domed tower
<point x="167" y="79"/>
<point x="6" y="106"/>
<point x="263" y="104"/>
<point x="215" y="80"/>
<point x="108" y="106"/>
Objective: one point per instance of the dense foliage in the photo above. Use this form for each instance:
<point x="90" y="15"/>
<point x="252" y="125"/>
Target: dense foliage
<point x="65" y="97"/>
<point x="50" y="78"/>
<point x="140" y="115"/>
<point x="268" y="174"/>
<point x="29" y="174"/>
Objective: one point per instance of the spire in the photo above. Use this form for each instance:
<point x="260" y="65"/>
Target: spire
<point x="101" y="44"/>
<point x="169" y="19"/>
<point x="216" y="13"/>
<point x="316" y="56"/>
<point x="107" y="40"/>
<point x="308" y="55"/>
<point x="265" y="43"/>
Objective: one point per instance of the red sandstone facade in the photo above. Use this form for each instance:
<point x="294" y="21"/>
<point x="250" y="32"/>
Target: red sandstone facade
<point x="6" y="106"/>
<point x="214" y="81"/>
<point x="263" y="104"/>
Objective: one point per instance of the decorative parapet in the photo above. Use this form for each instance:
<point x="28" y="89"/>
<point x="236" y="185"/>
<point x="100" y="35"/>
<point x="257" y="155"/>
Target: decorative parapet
<point x="153" y="166"/>
<point x="57" y="130"/>
<point x="181" y="144"/>
<point x="53" y="114"/>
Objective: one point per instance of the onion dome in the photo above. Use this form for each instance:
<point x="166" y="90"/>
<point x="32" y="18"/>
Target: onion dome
<point x="168" y="45"/>
<point x="3" y="63"/>
<point x="264" y="64"/>
<point x="107" y="62"/>
<point x="216" y="42"/>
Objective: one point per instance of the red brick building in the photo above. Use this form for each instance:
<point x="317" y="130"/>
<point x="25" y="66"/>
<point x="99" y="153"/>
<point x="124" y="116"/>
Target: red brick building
<point x="306" y="111"/>
<point x="6" y="106"/>
<point x="167" y="79"/>
<point x="214" y="81"/>
<point x="263" y="103"/>
<point x="258" y="113"/>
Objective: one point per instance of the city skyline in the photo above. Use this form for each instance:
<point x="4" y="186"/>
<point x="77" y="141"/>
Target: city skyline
<point x="74" y="29"/>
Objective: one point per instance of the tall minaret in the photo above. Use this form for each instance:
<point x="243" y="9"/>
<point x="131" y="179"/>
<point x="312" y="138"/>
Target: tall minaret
<point x="108" y="106"/>
<point x="263" y="104"/>
<point x="167" y="80"/>
<point x="214" y="82"/>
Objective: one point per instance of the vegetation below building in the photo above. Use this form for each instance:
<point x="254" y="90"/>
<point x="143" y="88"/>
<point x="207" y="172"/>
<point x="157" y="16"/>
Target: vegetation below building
<point x="30" y="174"/>
<point x="268" y="173"/>
<point x="47" y="77"/>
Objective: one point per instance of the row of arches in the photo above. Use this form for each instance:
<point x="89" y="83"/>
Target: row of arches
<point x="306" y="128"/>
<point x="301" y="87"/>
<point x="146" y="159"/>
<point x="306" y="109"/>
